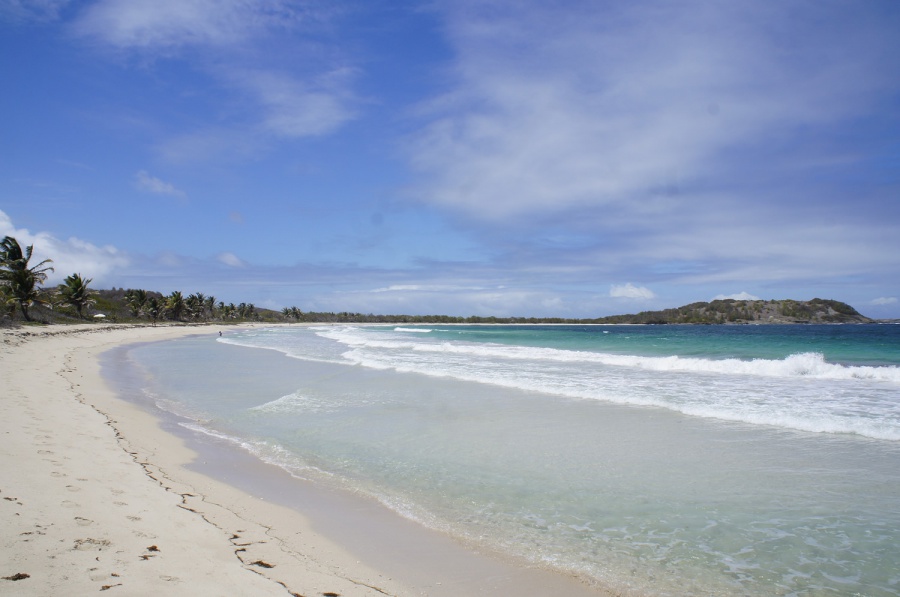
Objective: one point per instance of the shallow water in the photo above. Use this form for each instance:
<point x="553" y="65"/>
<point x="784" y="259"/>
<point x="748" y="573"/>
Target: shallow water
<point x="669" y="460"/>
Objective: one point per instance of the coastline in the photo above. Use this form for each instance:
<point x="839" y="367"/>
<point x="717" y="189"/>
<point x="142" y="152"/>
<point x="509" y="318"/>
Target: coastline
<point x="96" y="495"/>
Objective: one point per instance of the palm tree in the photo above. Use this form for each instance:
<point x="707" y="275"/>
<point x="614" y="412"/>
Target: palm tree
<point x="74" y="292"/>
<point x="194" y="305"/>
<point x="154" y="308"/>
<point x="201" y="306"/>
<point x="246" y="310"/>
<point x="211" y="306"/>
<point x="21" y="281"/>
<point x="7" y="302"/>
<point x="197" y="305"/>
<point x="175" y="304"/>
<point x="137" y="300"/>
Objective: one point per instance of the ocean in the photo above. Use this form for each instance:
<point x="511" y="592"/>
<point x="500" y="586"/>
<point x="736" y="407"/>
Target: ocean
<point x="655" y="460"/>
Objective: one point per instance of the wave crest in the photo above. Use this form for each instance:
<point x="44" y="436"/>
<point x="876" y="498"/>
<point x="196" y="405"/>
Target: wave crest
<point x="806" y="364"/>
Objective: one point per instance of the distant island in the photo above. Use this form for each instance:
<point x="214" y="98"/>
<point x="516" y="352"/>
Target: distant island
<point x="742" y="311"/>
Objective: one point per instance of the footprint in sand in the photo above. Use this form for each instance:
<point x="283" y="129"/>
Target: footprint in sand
<point x="68" y="504"/>
<point x="91" y="544"/>
<point x="83" y="521"/>
<point x="73" y="488"/>
<point x="57" y="474"/>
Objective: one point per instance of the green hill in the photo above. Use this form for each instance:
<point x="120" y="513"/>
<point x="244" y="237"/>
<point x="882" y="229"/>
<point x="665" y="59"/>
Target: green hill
<point x="738" y="311"/>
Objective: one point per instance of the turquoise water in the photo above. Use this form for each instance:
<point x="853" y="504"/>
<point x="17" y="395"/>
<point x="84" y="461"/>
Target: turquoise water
<point x="669" y="460"/>
<point x="842" y="344"/>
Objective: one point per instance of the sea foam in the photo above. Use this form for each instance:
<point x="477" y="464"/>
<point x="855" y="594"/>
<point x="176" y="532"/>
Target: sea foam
<point x="808" y="364"/>
<point x="801" y="391"/>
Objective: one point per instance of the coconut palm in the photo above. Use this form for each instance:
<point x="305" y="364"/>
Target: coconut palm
<point x="74" y="292"/>
<point x="154" y="308"/>
<point x="211" y="306"/>
<point x="137" y="301"/>
<point x="194" y="305"/>
<point x="22" y="282"/>
<point x="246" y="310"/>
<point x="175" y="304"/>
<point x="7" y="302"/>
<point x="201" y="305"/>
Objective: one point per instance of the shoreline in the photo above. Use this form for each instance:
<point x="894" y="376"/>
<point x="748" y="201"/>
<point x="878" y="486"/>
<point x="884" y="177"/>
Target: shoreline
<point x="97" y="495"/>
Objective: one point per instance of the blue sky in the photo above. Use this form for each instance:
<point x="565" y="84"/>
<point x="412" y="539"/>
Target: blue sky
<point x="566" y="158"/>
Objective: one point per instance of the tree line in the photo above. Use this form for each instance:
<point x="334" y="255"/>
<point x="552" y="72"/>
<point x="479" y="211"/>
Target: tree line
<point x="21" y="289"/>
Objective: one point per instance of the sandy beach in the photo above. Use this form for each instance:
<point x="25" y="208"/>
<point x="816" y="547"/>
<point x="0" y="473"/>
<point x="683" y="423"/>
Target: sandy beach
<point x="96" y="496"/>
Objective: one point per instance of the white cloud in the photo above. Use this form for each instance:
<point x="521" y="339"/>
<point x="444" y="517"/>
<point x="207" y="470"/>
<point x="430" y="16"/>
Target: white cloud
<point x="230" y="40"/>
<point x="428" y="288"/>
<point x="32" y="10"/>
<point x="399" y="288"/>
<point x="885" y="300"/>
<point x="295" y="108"/>
<point x="629" y="290"/>
<point x="230" y="259"/>
<point x="629" y="104"/>
<point x="151" y="184"/>
<point x="174" y="23"/>
<point x="69" y="256"/>
<point x="741" y="296"/>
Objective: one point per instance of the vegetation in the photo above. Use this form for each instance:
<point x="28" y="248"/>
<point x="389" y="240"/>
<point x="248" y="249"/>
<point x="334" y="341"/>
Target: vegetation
<point x="735" y="311"/>
<point x="20" y="286"/>
<point x="74" y="292"/>
<point x="21" y="283"/>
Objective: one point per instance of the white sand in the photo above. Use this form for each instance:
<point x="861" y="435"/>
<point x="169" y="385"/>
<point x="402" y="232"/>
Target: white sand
<point x="94" y="496"/>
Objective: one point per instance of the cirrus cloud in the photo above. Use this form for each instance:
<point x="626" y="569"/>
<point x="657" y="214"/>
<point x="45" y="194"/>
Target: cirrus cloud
<point x="230" y="259"/>
<point x="176" y="23"/>
<point x="264" y="95"/>
<point x="151" y="184"/>
<point x="630" y="105"/>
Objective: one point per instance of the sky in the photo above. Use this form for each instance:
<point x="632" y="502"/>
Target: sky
<point x="513" y="158"/>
